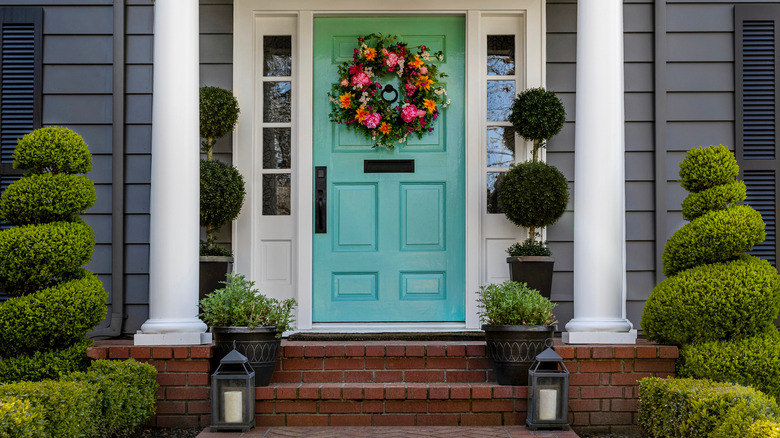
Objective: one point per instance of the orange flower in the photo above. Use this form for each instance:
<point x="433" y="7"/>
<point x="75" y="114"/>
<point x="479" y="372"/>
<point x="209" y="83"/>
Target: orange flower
<point x="345" y="100"/>
<point x="430" y="105"/>
<point x="417" y="63"/>
<point x="361" y="114"/>
<point x="424" y="82"/>
<point x="385" y="128"/>
<point x="370" y="54"/>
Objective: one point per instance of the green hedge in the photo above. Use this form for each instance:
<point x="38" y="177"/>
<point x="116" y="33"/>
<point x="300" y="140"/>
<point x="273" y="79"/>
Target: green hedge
<point x="70" y="409"/>
<point x="706" y="167"/>
<point x="715" y="237"/>
<point x="715" y="198"/>
<point x="700" y="408"/>
<point x="753" y="361"/>
<point x="49" y="197"/>
<point x="42" y="365"/>
<point x="53" y="149"/>
<point x="128" y="392"/>
<point x="764" y="429"/>
<point x="52" y="318"/>
<point x="714" y="301"/>
<point x="36" y="256"/>
<point x="20" y="419"/>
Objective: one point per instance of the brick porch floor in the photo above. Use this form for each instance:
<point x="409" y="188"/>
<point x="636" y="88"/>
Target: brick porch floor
<point x="392" y="432"/>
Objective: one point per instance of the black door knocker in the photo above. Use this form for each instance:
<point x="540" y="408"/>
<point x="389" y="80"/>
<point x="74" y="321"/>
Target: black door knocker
<point x="389" y="89"/>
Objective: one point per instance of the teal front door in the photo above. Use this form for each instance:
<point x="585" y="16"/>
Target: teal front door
<point x="394" y="246"/>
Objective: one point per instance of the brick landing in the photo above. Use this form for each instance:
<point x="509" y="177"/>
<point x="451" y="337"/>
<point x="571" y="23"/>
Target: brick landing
<point x="391" y="432"/>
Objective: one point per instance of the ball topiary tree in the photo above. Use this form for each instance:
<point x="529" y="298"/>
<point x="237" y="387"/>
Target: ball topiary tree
<point x="534" y="194"/>
<point x="55" y="301"/>
<point x="717" y="299"/>
<point x="221" y="185"/>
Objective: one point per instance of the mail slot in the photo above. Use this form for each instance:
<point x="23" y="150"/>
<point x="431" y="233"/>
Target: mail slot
<point x="388" y="166"/>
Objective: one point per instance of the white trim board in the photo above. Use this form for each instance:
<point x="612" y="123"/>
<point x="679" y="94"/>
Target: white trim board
<point x="484" y="232"/>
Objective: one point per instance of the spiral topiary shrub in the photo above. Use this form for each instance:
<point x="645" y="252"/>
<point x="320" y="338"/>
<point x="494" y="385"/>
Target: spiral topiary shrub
<point x="715" y="301"/>
<point x="703" y="168"/>
<point x="48" y="197"/>
<point x="712" y="199"/>
<point x="55" y="301"/>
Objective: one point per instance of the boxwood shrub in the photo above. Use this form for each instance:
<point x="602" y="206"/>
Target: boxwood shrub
<point x="715" y="237"/>
<point x="764" y="429"/>
<point x="70" y="409"/>
<point x="48" y="197"/>
<point x="533" y="194"/>
<point x="20" y="419"/>
<point x="128" y="391"/>
<point x="705" y="167"/>
<point x="715" y="301"/>
<point x="753" y="361"/>
<point x="52" y="318"/>
<point x="715" y="198"/>
<point x="698" y="408"/>
<point x="53" y="149"/>
<point x="45" y="364"/>
<point x="36" y="256"/>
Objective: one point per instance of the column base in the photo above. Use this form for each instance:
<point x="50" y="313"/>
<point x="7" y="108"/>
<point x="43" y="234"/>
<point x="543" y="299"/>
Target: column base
<point x="171" y="338"/>
<point x="628" y="337"/>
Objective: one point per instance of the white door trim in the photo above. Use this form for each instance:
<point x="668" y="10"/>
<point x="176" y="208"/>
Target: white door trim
<point x="247" y="228"/>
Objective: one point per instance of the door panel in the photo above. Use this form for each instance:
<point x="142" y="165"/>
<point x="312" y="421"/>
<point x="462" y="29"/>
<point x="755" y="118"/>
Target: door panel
<point x="395" y="246"/>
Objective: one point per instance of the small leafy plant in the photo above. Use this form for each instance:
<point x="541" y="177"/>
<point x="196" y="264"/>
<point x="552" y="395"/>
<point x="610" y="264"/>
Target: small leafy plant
<point x="513" y="303"/>
<point x="529" y="247"/>
<point x="239" y="305"/>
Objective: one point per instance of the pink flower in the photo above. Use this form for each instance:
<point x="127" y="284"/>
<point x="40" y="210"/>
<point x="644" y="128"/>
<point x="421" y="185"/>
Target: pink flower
<point x="372" y="120"/>
<point x="420" y="113"/>
<point x="356" y="68"/>
<point x="392" y="59"/>
<point x="361" y="79"/>
<point x="344" y="82"/>
<point x="409" y="113"/>
<point x="423" y="70"/>
<point x="410" y="88"/>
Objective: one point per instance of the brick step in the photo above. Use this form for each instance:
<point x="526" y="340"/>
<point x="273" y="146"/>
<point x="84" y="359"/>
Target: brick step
<point x="390" y="404"/>
<point x="383" y="362"/>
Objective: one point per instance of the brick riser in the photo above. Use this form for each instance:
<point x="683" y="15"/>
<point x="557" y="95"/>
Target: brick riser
<point x="402" y="383"/>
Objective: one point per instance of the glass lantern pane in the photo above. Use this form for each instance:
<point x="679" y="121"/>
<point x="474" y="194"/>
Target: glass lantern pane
<point x="500" y="146"/>
<point x="276" y="195"/>
<point x="493" y="182"/>
<point x="277" y="55"/>
<point x="276" y="148"/>
<point x="500" y="96"/>
<point x="277" y="101"/>
<point x="501" y="55"/>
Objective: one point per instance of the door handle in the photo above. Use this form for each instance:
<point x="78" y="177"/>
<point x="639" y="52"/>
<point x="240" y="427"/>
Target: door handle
<point x="321" y="199"/>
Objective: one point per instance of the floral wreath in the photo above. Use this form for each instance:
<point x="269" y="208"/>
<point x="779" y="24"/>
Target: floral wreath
<point x="362" y="103"/>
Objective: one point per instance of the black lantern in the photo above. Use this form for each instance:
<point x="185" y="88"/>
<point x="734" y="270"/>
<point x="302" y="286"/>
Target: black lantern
<point x="548" y="392"/>
<point x="233" y="394"/>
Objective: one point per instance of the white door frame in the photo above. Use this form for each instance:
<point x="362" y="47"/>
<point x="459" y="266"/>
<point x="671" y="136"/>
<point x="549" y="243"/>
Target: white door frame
<point x="480" y="227"/>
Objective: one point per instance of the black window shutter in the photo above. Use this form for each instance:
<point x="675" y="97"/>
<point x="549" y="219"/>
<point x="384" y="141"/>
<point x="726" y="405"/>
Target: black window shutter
<point x="756" y="34"/>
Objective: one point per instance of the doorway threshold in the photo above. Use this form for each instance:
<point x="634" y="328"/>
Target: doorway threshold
<point x="388" y="331"/>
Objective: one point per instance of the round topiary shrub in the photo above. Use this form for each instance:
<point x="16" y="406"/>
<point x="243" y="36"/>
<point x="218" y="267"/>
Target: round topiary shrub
<point x="714" y="237"/>
<point x="48" y="197"/>
<point x="707" y="167"/>
<point x="533" y="194"/>
<point x="221" y="193"/>
<point x="753" y="361"/>
<point x="713" y="199"/>
<point x="218" y="114"/>
<point x="37" y="256"/>
<point x="52" y="318"/>
<point x="537" y="114"/>
<point x="715" y="301"/>
<point x="55" y="150"/>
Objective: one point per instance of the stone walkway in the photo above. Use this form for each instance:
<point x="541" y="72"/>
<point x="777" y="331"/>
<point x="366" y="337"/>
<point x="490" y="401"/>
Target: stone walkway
<point x="392" y="432"/>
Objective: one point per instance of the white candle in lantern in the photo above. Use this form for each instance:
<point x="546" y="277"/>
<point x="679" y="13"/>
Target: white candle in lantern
<point x="234" y="407"/>
<point x="548" y="404"/>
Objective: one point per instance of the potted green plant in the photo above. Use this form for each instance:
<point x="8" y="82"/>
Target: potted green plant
<point x="240" y="314"/>
<point x="519" y="324"/>
<point x="534" y="194"/>
<point x="221" y="185"/>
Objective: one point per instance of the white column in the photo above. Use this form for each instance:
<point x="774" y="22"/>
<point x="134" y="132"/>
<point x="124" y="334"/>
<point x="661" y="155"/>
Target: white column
<point x="175" y="182"/>
<point x="599" y="172"/>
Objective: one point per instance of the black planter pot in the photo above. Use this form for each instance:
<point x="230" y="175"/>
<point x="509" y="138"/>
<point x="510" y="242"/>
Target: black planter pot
<point x="536" y="271"/>
<point x="260" y="345"/>
<point x="213" y="270"/>
<point x="513" y="348"/>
